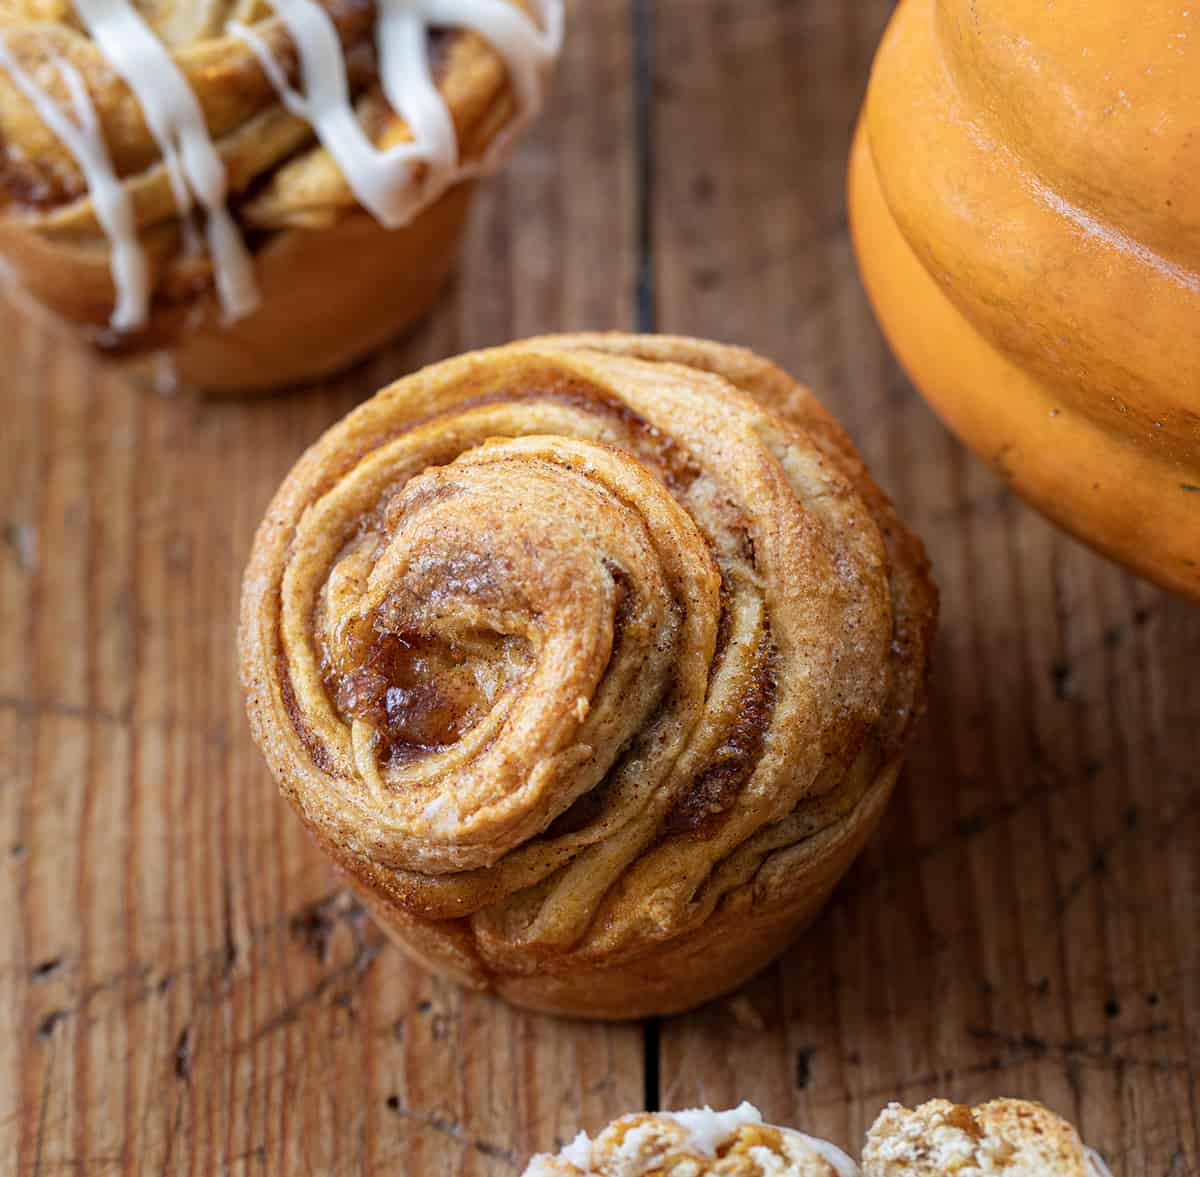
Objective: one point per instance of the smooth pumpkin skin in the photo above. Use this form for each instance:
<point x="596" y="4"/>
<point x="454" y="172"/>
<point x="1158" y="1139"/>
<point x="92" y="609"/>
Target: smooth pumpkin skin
<point x="1026" y="214"/>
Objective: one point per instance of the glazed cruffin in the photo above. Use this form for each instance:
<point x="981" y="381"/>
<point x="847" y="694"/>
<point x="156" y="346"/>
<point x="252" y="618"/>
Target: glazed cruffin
<point x="261" y="191"/>
<point x="592" y="661"/>
<point x="695" y="1143"/>
<point x="1013" y="1137"/>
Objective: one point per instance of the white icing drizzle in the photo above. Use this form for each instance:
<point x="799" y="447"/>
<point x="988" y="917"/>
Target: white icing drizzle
<point x="1095" y="1163"/>
<point x="176" y="121"/>
<point x="705" y="1132"/>
<point x="85" y="141"/>
<point x="408" y="82"/>
<point x="842" y="1164"/>
<point x="578" y="1152"/>
<point x="383" y="181"/>
<point x="377" y="178"/>
<point x="528" y="53"/>
<point x="708" y="1130"/>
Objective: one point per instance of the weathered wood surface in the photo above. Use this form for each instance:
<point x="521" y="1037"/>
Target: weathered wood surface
<point x="1026" y="922"/>
<point x="183" y="989"/>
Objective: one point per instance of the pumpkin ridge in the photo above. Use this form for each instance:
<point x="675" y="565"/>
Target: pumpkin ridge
<point x="1042" y="293"/>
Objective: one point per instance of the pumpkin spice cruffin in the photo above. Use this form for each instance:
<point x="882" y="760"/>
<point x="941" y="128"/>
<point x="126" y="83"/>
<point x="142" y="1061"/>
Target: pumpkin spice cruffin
<point x="1009" y="1137"/>
<point x="253" y="193"/>
<point x="695" y="1143"/>
<point x="591" y="660"/>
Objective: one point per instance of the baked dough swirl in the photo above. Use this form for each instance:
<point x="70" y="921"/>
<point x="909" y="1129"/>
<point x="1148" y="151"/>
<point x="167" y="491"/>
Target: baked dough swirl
<point x="592" y="661"/>
<point x="261" y="191"/>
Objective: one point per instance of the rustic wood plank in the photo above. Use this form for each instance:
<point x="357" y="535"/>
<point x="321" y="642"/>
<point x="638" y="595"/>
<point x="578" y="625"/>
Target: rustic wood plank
<point x="184" y="988"/>
<point x="1025" y="921"/>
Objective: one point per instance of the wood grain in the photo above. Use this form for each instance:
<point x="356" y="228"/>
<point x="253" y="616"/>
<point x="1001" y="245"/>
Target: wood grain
<point x="1025" y="923"/>
<point x="183" y="986"/>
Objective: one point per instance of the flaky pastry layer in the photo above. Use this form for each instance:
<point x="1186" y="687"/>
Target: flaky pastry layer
<point x="1013" y="1137"/>
<point x="695" y="1143"/>
<point x="281" y="182"/>
<point x="1009" y="1137"/>
<point x="591" y="659"/>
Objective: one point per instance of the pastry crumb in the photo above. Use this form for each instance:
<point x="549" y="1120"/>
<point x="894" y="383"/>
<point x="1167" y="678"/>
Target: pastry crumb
<point x="695" y="1143"/>
<point x="1011" y="1137"/>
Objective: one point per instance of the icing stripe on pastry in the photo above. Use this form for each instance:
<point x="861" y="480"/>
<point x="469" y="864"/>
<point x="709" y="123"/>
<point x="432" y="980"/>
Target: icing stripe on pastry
<point x="381" y="180"/>
<point x="698" y="1141"/>
<point x="85" y="141"/>
<point x="528" y="53"/>
<point x="408" y="85"/>
<point x="176" y="121"/>
<point x="395" y="185"/>
<point x="833" y="1156"/>
<point x="384" y="182"/>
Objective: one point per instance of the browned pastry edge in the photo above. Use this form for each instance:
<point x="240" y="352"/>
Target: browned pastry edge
<point x="1011" y="1135"/>
<point x="937" y="1139"/>
<point x="736" y="943"/>
<point x="698" y="1142"/>
<point x="329" y="298"/>
<point x="755" y="920"/>
<point x="334" y="283"/>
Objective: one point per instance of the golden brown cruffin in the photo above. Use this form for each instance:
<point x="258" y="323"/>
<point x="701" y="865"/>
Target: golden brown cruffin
<point x="1010" y="1136"/>
<point x="333" y="283"/>
<point x="592" y="660"/>
<point x="695" y="1143"/>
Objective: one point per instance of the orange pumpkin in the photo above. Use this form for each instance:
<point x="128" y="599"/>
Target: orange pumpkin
<point x="1025" y="202"/>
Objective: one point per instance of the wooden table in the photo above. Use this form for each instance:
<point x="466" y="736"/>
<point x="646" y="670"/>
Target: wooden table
<point x="183" y="989"/>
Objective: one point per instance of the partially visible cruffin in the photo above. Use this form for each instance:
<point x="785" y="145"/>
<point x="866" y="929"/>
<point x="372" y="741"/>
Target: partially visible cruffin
<point x="697" y="1143"/>
<point x="334" y="283"/>
<point x="1011" y="1136"/>
<point x="664" y="639"/>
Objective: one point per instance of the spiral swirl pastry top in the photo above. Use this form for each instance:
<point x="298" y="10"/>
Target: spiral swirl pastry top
<point x="573" y="649"/>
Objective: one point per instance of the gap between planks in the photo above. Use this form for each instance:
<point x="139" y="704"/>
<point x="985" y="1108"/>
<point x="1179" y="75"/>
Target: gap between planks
<point x="646" y="317"/>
